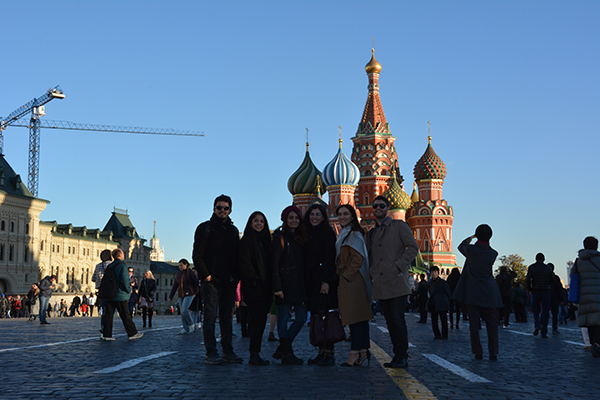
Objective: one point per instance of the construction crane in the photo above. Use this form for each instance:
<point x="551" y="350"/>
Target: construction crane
<point x="37" y="110"/>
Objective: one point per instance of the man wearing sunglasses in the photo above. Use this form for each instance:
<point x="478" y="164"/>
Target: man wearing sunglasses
<point x="392" y="247"/>
<point x="215" y="258"/>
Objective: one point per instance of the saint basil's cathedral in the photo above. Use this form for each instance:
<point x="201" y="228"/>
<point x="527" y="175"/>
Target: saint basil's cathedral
<point x="372" y="170"/>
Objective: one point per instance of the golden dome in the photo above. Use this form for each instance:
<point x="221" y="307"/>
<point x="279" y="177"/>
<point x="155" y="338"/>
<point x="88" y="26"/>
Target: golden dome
<point x="373" y="66"/>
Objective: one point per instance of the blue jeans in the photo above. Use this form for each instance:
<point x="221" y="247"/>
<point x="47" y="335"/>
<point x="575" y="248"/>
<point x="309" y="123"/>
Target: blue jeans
<point x="43" y="308"/>
<point x="541" y="302"/>
<point x="284" y="316"/>
<point x="186" y="317"/>
<point x="103" y="315"/>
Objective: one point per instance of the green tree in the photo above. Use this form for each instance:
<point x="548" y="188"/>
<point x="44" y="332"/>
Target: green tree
<point x="514" y="262"/>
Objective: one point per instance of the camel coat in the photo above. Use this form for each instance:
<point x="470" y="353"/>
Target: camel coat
<point x="353" y="299"/>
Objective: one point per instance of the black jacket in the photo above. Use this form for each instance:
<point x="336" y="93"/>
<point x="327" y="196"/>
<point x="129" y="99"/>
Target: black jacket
<point x="504" y="281"/>
<point x="216" y="250"/>
<point x="539" y="277"/>
<point x="319" y="257"/>
<point x="255" y="266"/>
<point x="147" y="289"/>
<point x="288" y="268"/>
<point x="439" y="293"/>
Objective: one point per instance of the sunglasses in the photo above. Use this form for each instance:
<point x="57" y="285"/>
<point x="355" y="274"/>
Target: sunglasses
<point x="222" y="208"/>
<point x="379" y="205"/>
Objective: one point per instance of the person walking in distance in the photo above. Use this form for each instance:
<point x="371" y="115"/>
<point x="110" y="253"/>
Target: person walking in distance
<point x="539" y="281"/>
<point x="392" y="247"/>
<point x="120" y="301"/>
<point x="46" y="287"/>
<point x="215" y="256"/>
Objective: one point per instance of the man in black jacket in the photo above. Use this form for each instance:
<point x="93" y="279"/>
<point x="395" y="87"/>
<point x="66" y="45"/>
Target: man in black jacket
<point x="504" y="281"/>
<point x="539" y="282"/>
<point x="216" y="261"/>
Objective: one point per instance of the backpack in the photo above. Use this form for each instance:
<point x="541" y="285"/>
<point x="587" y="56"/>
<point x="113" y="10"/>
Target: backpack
<point x="108" y="285"/>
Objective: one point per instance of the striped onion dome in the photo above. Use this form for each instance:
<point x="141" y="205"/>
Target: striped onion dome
<point x="399" y="199"/>
<point x="430" y="165"/>
<point x="341" y="171"/>
<point x="304" y="180"/>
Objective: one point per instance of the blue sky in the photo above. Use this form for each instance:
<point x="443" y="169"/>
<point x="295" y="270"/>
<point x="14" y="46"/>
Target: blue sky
<point x="511" y="89"/>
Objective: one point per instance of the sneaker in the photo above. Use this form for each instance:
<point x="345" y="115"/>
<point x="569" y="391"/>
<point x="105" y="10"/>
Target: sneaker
<point x="136" y="336"/>
<point x="232" y="358"/>
<point x="213" y="359"/>
<point x="191" y="328"/>
<point x="183" y="332"/>
<point x="106" y="338"/>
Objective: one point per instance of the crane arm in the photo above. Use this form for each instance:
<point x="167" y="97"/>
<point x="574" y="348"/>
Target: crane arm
<point x="51" y="124"/>
<point x="54" y="93"/>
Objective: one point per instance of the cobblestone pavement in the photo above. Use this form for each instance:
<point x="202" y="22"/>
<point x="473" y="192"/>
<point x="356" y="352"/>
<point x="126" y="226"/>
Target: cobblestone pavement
<point x="66" y="360"/>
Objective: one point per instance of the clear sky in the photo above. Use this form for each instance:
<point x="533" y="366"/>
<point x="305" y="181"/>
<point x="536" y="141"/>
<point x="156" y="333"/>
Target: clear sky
<point x="511" y="89"/>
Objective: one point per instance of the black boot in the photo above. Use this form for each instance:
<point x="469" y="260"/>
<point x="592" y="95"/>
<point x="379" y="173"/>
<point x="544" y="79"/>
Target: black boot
<point x="143" y="320"/>
<point x="328" y="360"/>
<point x="255" y="359"/>
<point x="318" y="358"/>
<point x="271" y="337"/>
<point x="150" y="312"/>
<point x="288" y="353"/>
<point x="278" y="353"/>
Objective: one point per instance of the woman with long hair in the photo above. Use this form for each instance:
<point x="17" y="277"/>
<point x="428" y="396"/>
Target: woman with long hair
<point x="147" y="291"/>
<point x="288" y="281"/>
<point x="355" y="284"/>
<point x="255" y="261"/>
<point x="186" y="285"/>
<point x="321" y="277"/>
<point x="454" y="305"/>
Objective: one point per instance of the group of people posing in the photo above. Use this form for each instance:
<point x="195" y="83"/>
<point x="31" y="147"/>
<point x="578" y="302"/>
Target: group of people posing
<point x="302" y="267"/>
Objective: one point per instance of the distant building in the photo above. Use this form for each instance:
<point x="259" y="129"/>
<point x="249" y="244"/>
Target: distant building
<point x="156" y="253"/>
<point x="31" y="249"/>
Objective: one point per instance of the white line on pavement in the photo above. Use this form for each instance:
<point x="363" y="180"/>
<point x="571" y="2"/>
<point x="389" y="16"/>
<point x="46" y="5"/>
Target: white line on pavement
<point x="37" y="346"/>
<point x="133" y="362"/>
<point x="520" y="333"/>
<point x="455" y="369"/>
<point x="578" y="344"/>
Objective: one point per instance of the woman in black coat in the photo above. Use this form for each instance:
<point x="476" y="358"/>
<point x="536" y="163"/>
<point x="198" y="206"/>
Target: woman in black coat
<point x="439" y="303"/>
<point x="321" y="276"/>
<point x="255" y="259"/>
<point x="288" y="281"/>
<point x="147" y="290"/>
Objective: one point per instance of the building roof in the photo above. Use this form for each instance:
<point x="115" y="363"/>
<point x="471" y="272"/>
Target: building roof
<point x="120" y="225"/>
<point x="10" y="181"/>
<point x="430" y="165"/>
<point x="304" y="180"/>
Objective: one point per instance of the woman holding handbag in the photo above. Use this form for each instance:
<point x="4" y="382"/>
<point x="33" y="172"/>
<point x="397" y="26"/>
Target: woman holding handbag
<point x="186" y="285"/>
<point x="255" y="259"/>
<point x="147" y="290"/>
<point x="355" y="284"/>
<point x="288" y="281"/>
<point x="321" y="277"/>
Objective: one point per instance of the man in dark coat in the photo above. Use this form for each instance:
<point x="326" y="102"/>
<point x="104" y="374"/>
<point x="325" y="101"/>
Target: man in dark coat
<point x="478" y="291"/>
<point x="422" y="290"/>
<point x="539" y="281"/>
<point x="504" y="281"/>
<point x="439" y="303"/>
<point x="216" y="260"/>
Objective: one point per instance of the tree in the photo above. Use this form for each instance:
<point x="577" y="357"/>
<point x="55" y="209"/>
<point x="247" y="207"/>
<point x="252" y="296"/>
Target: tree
<point x="514" y="262"/>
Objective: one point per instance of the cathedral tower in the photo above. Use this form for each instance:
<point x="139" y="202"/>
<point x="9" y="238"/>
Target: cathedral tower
<point x="430" y="216"/>
<point x="305" y="184"/>
<point x="374" y="151"/>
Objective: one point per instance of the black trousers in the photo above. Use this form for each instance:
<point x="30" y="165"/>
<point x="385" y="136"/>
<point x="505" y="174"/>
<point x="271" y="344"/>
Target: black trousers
<point x="123" y="308"/>
<point x="258" y="312"/>
<point x="506" y="310"/>
<point x="360" y="336"/>
<point x="443" y="317"/>
<point x="455" y="307"/>
<point x="490" y="317"/>
<point x="218" y="298"/>
<point x="393" y="311"/>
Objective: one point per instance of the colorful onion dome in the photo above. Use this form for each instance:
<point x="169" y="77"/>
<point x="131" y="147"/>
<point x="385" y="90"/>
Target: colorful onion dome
<point x="399" y="199"/>
<point x="373" y="66"/>
<point x="304" y="180"/>
<point x="341" y="171"/>
<point x="430" y="165"/>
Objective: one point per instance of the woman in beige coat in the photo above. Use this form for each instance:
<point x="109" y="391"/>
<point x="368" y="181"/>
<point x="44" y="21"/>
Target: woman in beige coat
<point x="355" y="284"/>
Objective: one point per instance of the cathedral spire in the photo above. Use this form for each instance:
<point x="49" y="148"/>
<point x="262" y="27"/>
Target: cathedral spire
<point x="373" y="118"/>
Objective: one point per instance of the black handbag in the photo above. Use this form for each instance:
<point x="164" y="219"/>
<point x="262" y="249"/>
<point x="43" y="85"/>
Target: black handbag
<point x="326" y="328"/>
